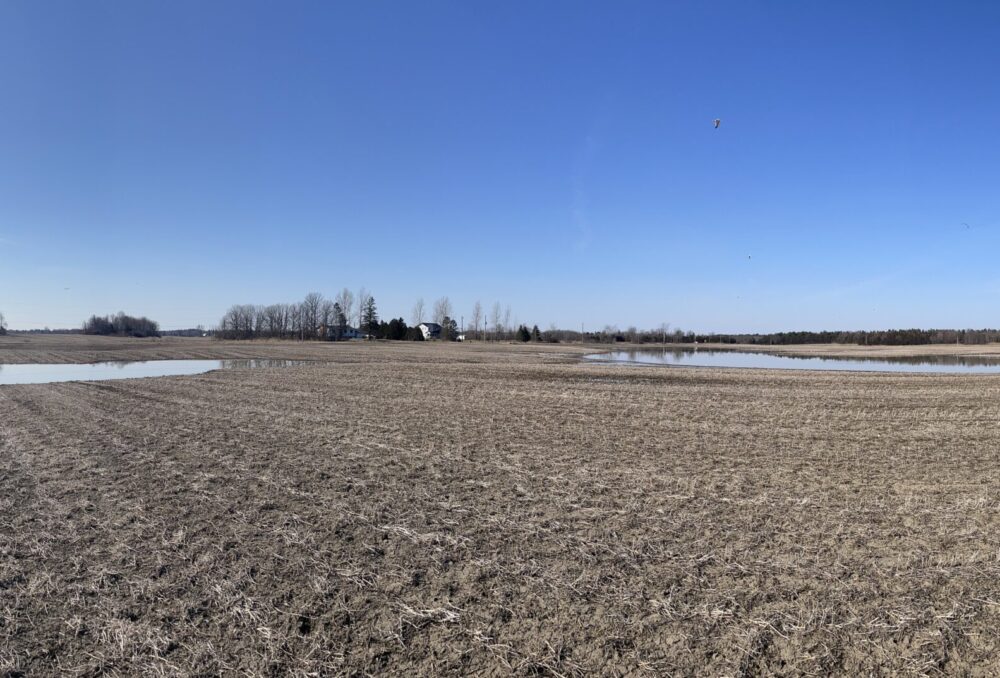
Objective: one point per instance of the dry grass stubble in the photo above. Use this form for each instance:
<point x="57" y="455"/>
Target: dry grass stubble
<point x="498" y="510"/>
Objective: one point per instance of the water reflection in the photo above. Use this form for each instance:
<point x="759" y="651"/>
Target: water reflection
<point x="691" y="357"/>
<point x="51" y="373"/>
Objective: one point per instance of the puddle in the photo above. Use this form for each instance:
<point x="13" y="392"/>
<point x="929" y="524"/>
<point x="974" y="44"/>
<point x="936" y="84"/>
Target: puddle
<point x="50" y="373"/>
<point x="703" y="358"/>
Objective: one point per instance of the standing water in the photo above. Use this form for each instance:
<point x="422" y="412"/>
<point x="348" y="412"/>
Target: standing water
<point x="51" y="372"/>
<point x="713" y="358"/>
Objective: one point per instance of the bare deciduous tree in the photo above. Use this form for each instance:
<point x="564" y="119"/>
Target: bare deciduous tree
<point x="477" y="317"/>
<point x="286" y="321"/>
<point x="346" y="301"/>
<point x="310" y="313"/>
<point x="122" y="325"/>
<point x="417" y="316"/>
<point x="442" y="310"/>
<point x="259" y="320"/>
<point x="362" y="300"/>
<point x="327" y="318"/>
<point x="237" y="323"/>
<point x="295" y="320"/>
<point x="287" y="315"/>
<point x="506" y="320"/>
<point x="664" y="328"/>
<point x="276" y="322"/>
<point x="495" y="317"/>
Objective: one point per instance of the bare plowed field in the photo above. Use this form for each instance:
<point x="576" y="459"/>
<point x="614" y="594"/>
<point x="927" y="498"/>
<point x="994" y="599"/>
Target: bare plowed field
<point x="432" y="509"/>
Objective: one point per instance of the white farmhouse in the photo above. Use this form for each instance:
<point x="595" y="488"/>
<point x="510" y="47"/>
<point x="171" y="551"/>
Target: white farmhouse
<point x="430" y="330"/>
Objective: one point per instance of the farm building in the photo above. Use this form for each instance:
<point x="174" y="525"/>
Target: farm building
<point x="333" y="333"/>
<point x="430" y="330"/>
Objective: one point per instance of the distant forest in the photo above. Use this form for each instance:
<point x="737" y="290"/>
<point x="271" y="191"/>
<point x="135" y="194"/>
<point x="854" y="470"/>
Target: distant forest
<point x="121" y="325"/>
<point x="319" y="318"/>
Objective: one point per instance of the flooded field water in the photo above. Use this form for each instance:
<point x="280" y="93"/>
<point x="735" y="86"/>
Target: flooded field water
<point x="103" y="371"/>
<point x="712" y="358"/>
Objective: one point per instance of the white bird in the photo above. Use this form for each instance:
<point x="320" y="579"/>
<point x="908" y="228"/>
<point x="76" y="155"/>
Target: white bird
<point x="717" y="122"/>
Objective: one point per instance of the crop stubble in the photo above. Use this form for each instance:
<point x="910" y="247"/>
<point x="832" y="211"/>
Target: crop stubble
<point x="495" y="509"/>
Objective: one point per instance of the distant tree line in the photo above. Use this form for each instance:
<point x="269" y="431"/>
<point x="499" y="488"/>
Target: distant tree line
<point x="315" y="318"/>
<point x="350" y="315"/>
<point x="284" y="321"/>
<point x="610" y="334"/>
<point x="121" y="325"/>
<point x="891" y="337"/>
<point x="498" y="324"/>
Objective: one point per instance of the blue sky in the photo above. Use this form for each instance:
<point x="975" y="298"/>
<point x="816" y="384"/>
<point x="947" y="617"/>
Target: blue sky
<point x="173" y="158"/>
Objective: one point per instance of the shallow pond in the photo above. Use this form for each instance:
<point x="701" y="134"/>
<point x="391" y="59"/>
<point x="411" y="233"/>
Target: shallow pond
<point x="54" y="372"/>
<point x="709" y="358"/>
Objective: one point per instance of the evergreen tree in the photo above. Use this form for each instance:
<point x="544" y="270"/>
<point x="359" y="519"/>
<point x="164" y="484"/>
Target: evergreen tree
<point x="397" y="329"/>
<point x="536" y="335"/>
<point x="369" y="317"/>
<point x="523" y="334"/>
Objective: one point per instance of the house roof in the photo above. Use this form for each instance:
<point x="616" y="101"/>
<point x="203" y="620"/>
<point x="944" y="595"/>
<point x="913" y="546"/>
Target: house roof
<point x="430" y="326"/>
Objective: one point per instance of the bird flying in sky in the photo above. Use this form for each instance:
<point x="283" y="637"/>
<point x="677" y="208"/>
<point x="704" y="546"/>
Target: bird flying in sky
<point x="717" y="122"/>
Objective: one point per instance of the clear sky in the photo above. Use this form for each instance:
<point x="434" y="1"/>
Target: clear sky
<point x="173" y="158"/>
